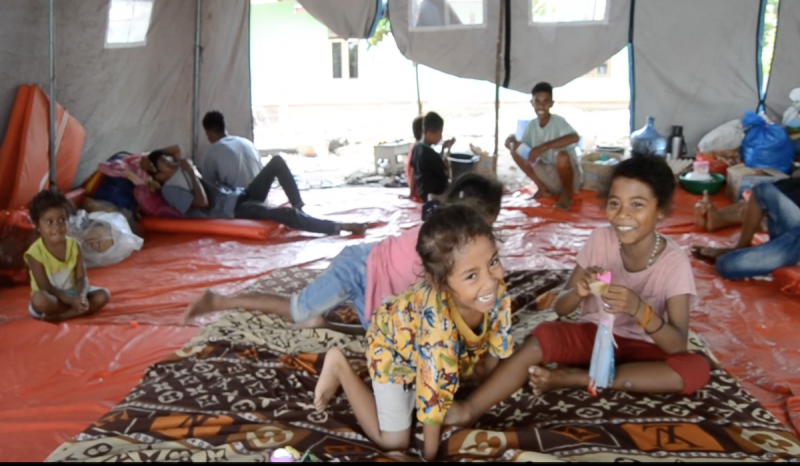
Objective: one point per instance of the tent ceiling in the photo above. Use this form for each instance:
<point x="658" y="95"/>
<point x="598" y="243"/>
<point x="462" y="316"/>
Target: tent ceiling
<point x="697" y="72"/>
<point x="349" y="19"/>
<point x="559" y="53"/>
<point x="467" y="52"/>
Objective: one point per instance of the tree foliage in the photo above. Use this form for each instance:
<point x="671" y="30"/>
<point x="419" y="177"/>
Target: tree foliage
<point x="384" y="28"/>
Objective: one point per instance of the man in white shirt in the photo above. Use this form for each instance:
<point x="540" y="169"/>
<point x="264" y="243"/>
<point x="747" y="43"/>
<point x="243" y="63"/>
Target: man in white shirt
<point x="231" y="161"/>
<point x="546" y="151"/>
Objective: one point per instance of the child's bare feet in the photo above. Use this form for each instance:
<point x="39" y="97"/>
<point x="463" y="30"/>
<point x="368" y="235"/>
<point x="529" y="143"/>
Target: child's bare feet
<point x="354" y="228"/>
<point x="540" y="193"/>
<point x="712" y="219"/>
<point x="564" y="202"/>
<point x="709" y="255"/>
<point x="316" y="322"/>
<point x="458" y="415"/>
<point x="328" y="381"/>
<point x="205" y="305"/>
<point x="542" y="380"/>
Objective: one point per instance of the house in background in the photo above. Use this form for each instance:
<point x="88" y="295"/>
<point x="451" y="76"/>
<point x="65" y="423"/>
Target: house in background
<point x="305" y="78"/>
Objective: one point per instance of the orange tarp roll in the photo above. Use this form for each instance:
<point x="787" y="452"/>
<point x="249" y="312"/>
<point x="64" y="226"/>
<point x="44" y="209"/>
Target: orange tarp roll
<point x="10" y="150"/>
<point x="33" y="165"/>
<point x="247" y="229"/>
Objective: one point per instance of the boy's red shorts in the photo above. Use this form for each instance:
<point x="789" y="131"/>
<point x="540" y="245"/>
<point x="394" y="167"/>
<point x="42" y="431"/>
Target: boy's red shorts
<point x="571" y="344"/>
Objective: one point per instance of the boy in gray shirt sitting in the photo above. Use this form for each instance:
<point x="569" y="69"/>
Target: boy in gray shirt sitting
<point x="546" y="151"/>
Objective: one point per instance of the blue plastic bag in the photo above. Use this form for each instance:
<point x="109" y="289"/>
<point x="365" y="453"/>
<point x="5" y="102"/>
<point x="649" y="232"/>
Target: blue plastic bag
<point x="766" y="145"/>
<point x="602" y="367"/>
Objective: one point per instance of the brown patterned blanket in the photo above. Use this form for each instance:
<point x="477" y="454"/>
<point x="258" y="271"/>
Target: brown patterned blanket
<point x="244" y="387"/>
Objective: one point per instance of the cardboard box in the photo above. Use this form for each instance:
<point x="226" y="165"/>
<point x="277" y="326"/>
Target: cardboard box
<point x="741" y="177"/>
<point x="595" y="175"/>
<point x="390" y="158"/>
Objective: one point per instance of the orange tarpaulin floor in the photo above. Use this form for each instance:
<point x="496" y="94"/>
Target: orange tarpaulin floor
<point x="57" y="379"/>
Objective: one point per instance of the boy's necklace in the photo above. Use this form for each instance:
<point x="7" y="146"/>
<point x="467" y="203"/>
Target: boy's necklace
<point x="653" y="253"/>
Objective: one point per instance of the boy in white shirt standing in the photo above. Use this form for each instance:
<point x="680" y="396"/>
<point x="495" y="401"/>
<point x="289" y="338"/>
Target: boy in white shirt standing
<point x="546" y="151"/>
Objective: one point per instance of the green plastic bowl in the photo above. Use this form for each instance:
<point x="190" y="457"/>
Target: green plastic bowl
<point x="697" y="187"/>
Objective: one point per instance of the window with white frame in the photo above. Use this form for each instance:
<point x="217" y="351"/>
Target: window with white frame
<point x="602" y="71"/>
<point x="344" y="58"/>
<point x="128" y="22"/>
<point x="568" y="11"/>
<point x="447" y="14"/>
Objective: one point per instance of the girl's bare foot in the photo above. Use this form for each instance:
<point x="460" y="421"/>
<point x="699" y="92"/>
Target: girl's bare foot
<point x="458" y="415"/>
<point x="714" y="220"/>
<point x="316" y="322"/>
<point x="540" y="193"/>
<point x="542" y="380"/>
<point x="205" y="305"/>
<point x="328" y="381"/>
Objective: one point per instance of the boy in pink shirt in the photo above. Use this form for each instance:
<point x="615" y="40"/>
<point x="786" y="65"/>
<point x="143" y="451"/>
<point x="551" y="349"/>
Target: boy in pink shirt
<point x="363" y="274"/>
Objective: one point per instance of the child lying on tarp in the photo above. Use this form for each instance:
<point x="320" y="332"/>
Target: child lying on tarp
<point x="651" y="292"/>
<point x="139" y="169"/>
<point x="59" y="287"/>
<point x="363" y="275"/>
<point x="186" y="191"/>
<point x="424" y="343"/>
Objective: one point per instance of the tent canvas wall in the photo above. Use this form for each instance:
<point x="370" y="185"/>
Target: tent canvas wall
<point x="136" y="98"/>
<point x="694" y="64"/>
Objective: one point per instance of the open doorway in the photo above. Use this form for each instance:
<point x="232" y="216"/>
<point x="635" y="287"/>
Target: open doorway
<point x="325" y="102"/>
<point x="769" y="29"/>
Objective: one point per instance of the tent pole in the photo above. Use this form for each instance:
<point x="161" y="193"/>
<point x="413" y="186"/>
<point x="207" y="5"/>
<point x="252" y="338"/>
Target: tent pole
<point x="196" y="90"/>
<point x="419" y="100"/>
<point x="497" y="85"/>
<point x="52" y="96"/>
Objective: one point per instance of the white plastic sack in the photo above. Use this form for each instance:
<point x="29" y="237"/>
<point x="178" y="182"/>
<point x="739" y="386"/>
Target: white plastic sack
<point x="105" y="238"/>
<point x="725" y="137"/>
<point x="791" y="117"/>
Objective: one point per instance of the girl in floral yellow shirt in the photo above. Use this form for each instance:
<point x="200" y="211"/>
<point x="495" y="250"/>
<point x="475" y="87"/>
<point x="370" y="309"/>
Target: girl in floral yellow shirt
<point x="422" y="343"/>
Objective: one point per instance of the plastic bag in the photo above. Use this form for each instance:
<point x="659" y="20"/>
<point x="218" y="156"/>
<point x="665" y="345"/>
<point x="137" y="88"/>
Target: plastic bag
<point x="791" y="117"/>
<point x="105" y="238"/>
<point x="602" y="368"/>
<point x="725" y="137"/>
<point x="766" y="145"/>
